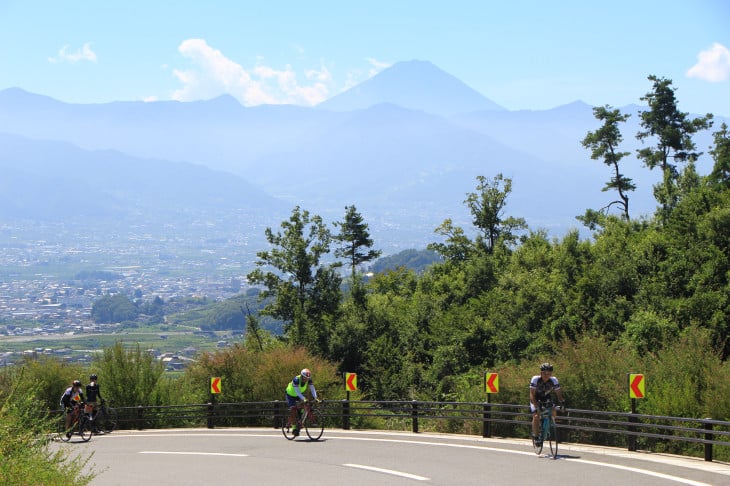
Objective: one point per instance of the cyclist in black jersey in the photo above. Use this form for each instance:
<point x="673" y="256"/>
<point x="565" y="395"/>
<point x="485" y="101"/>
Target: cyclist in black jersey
<point x="542" y="386"/>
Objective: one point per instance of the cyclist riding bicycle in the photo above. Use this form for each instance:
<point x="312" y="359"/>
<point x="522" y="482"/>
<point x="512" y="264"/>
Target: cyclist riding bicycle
<point x="71" y="400"/>
<point x="295" y="391"/>
<point x="93" y="397"/>
<point x="93" y="393"/>
<point x="542" y="386"/>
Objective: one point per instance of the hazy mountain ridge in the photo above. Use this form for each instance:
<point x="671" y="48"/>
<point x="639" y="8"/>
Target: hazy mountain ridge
<point x="404" y="166"/>
<point x="48" y="179"/>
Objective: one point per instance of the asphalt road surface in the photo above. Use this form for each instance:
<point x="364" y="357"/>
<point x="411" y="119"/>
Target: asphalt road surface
<point x="264" y="457"/>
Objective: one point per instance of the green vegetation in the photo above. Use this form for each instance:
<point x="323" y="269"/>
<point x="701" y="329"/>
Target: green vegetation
<point x="25" y="456"/>
<point x="416" y="260"/>
<point x="648" y="294"/>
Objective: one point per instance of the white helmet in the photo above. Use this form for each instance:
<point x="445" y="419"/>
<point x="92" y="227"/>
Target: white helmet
<point x="306" y="373"/>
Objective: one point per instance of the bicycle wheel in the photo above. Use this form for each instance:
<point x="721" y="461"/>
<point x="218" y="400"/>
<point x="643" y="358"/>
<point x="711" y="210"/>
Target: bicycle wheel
<point x="314" y="425"/>
<point x="84" y="428"/>
<point x="553" y="438"/>
<point x="542" y="435"/>
<point x="286" y="429"/>
<point x="109" y="419"/>
<point x="537" y="443"/>
<point x="62" y="429"/>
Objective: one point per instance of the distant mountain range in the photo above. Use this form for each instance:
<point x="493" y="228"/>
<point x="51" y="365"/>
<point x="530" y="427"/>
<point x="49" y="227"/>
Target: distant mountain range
<point x="48" y="179"/>
<point x="404" y="147"/>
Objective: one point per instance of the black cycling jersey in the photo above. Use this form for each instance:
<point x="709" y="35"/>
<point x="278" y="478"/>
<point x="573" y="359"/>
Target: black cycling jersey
<point x="92" y="392"/>
<point x="543" y="389"/>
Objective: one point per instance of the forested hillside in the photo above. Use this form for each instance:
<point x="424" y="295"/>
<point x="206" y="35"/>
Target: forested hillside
<point x="648" y="292"/>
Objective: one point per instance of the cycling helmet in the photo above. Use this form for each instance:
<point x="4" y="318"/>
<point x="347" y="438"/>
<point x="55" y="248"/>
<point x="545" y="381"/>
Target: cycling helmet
<point x="93" y="377"/>
<point x="546" y="367"/>
<point x="306" y="373"/>
<point x="76" y="383"/>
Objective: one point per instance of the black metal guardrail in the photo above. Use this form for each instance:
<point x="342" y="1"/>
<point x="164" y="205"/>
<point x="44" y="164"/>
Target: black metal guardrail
<point x="507" y="420"/>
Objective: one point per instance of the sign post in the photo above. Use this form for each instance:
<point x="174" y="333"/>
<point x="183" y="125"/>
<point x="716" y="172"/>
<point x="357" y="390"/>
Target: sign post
<point x="491" y="385"/>
<point x="637" y="389"/>
<point x="350" y="385"/>
<point x="215" y="388"/>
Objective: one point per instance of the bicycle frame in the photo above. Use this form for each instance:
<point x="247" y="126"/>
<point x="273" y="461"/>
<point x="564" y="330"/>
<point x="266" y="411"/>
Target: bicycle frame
<point x="310" y="421"/>
<point x="546" y="416"/>
<point x="547" y="430"/>
<point x="306" y="409"/>
<point x="79" y="421"/>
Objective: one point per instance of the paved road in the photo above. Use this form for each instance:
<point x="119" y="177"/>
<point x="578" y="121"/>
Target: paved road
<point x="263" y="457"/>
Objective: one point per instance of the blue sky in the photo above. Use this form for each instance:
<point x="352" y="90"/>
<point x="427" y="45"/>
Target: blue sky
<point x="522" y="55"/>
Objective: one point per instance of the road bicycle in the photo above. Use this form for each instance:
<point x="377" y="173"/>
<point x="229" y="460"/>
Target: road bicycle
<point x="547" y="430"/>
<point x="103" y="419"/>
<point x="308" y="418"/>
<point x="80" y="424"/>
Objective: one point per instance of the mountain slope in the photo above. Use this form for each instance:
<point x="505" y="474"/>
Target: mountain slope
<point x="417" y="85"/>
<point x="46" y="179"/>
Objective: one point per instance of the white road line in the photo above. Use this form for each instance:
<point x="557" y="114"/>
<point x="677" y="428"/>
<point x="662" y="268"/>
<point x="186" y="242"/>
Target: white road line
<point x="194" y="453"/>
<point x="464" y="446"/>
<point x="388" y="471"/>
<point x="642" y="471"/>
<point x="510" y="451"/>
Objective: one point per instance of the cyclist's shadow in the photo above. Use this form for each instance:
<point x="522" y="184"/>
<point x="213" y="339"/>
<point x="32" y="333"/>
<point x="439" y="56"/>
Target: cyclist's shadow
<point x="559" y="456"/>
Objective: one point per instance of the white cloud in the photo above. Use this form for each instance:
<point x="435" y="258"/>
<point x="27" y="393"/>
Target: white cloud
<point x="83" y="54"/>
<point x="713" y="64"/>
<point x="356" y="76"/>
<point x="214" y="74"/>
<point x="377" y="66"/>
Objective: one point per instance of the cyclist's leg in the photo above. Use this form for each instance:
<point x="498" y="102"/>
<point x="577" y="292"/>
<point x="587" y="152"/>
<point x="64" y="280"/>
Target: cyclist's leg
<point x="72" y="416"/>
<point x="293" y="413"/>
<point x="66" y="422"/>
<point x="535" y="421"/>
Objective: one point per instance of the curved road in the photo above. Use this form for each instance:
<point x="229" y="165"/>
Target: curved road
<point x="264" y="457"/>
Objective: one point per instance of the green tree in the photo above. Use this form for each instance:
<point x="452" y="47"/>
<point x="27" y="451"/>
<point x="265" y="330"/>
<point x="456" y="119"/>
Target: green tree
<point x="130" y="377"/>
<point x="114" y="308"/>
<point x="721" y="155"/>
<point x="487" y="209"/>
<point x="354" y="238"/>
<point x="604" y="144"/>
<point x="297" y="275"/>
<point x="457" y="247"/>
<point x="672" y="130"/>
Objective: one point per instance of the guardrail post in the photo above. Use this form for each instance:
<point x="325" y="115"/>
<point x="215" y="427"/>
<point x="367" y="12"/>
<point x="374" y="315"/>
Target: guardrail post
<point x="414" y="416"/>
<point x="632" y="438"/>
<point x="211" y="410"/>
<point x="140" y="415"/>
<point x="279" y="412"/>
<point x="486" y="424"/>
<point x="708" y="436"/>
<point x="346" y="414"/>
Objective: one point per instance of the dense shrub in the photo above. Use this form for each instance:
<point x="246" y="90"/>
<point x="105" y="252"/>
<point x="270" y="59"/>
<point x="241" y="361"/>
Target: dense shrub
<point x="25" y="455"/>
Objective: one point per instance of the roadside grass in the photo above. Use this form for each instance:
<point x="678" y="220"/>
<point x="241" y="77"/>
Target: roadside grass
<point x="25" y="435"/>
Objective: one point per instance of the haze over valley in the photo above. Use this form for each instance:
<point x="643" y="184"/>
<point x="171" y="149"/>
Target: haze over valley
<point x="177" y="195"/>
